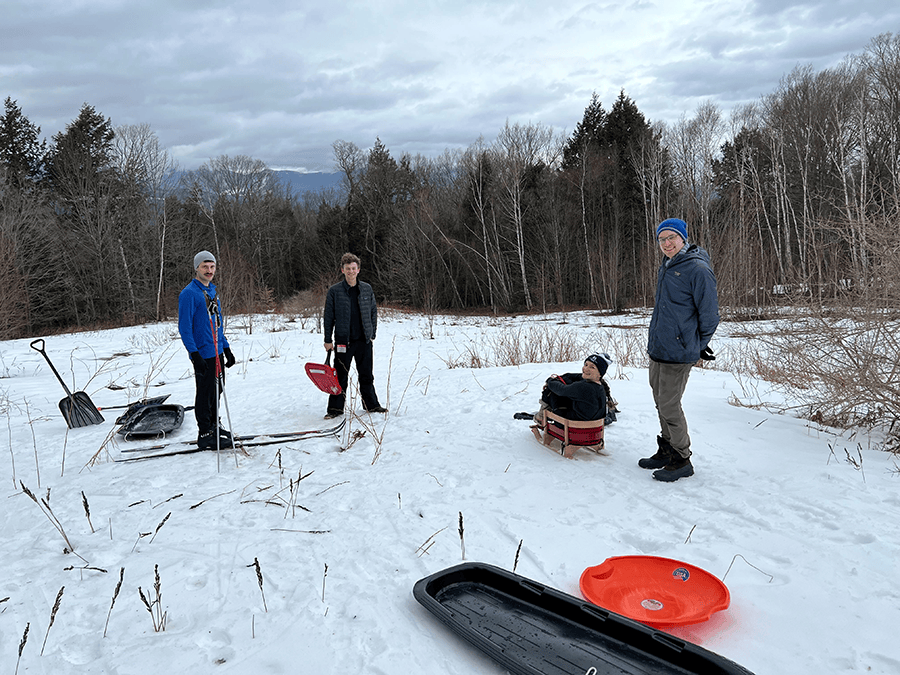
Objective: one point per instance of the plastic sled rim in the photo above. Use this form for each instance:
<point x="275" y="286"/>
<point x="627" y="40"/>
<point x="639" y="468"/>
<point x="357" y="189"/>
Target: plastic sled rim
<point x="171" y="414"/>
<point x="619" y="584"/>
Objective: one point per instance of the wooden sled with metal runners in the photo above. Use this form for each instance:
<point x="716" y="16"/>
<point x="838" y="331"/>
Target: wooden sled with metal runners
<point x="566" y="436"/>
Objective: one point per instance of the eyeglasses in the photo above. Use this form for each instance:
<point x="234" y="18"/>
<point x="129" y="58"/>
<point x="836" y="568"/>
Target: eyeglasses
<point x="666" y="240"/>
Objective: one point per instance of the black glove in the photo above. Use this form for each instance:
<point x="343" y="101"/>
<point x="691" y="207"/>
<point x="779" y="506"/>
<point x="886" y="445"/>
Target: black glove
<point x="199" y="363"/>
<point x="229" y="358"/>
<point x="707" y="354"/>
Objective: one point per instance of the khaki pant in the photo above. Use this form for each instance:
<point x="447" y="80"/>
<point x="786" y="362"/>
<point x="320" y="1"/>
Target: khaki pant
<point x="668" y="381"/>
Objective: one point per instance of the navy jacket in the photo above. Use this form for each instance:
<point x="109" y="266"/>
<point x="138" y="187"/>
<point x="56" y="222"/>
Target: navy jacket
<point x="686" y="312"/>
<point x="336" y="317"/>
<point x="193" y="320"/>
<point x="586" y="399"/>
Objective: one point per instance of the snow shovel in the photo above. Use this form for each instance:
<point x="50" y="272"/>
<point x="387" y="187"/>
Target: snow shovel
<point x="324" y="376"/>
<point x="77" y="409"/>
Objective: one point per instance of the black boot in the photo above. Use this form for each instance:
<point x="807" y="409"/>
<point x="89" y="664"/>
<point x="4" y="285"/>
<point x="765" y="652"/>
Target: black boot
<point x="225" y="435"/>
<point x="679" y="467"/>
<point x="661" y="458"/>
<point x="206" y="440"/>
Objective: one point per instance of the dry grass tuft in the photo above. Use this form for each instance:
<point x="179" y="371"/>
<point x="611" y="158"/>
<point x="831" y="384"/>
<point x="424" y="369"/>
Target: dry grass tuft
<point x="154" y="603"/>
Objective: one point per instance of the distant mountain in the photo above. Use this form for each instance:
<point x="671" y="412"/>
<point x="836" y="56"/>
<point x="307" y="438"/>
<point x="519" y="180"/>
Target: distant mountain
<point x="308" y="182"/>
<point x="296" y="181"/>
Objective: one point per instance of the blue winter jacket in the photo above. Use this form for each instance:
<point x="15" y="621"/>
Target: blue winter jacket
<point x="686" y="312"/>
<point x="193" y="320"/>
<point x="336" y="316"/>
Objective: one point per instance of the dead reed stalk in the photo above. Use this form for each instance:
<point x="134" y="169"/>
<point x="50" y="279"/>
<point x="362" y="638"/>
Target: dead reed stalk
<point x="159" y="527"/>
<point x="87" y="510"/>
<point x="462" y="541"/>
<point x="37" y="466"/>
<point x="114" y="596"/>
<point x="518" y="551"/>
<point x="44" y="506"/>
<point x="428" y="543"/>
<point x="259" y="580"/>
<point x="22" y="646"/>
<point x="52" y="617"/>
<point x="12" y="457"/>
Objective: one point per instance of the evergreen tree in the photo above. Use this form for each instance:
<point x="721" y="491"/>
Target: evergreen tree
<point x="589" y="133"/>
<point x="88" y="195"/>
<point x="81" y="153"/>
<point x="23" y="155"/>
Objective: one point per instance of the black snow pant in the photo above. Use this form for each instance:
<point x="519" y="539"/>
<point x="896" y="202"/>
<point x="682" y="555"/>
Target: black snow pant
<point x="361" y="352"/>
<point x="206" y="400"/>
<point x="560" y="405"/>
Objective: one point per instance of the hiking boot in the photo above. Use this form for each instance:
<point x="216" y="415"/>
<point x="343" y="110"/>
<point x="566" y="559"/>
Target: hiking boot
<point x="377" y="409"/>
<point x="331" y="414"/>
<point x="207" y="441"/>
<point x="663" y="455"/>
<point x="680" y="467"/>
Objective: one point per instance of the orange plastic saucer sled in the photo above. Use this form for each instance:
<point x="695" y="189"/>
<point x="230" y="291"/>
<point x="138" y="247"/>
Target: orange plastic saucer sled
<point x="658" y="592"/>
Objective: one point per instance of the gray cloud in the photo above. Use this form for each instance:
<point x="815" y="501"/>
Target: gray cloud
<point x="281" y="82"/>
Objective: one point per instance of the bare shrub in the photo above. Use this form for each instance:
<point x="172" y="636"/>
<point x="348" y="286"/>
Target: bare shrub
<point x="13" y="293"/>
<point x="839" y="365"/>
<point x="840" y="373"/>
<point x="304" y="307"/>
<point x="516" y="345"/>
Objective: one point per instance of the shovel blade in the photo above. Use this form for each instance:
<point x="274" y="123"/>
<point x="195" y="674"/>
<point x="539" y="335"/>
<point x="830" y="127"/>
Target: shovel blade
<point x="79" y="411"/>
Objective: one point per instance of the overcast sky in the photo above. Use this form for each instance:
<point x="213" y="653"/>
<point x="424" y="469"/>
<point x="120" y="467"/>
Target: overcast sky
<point x="281" y="80"/>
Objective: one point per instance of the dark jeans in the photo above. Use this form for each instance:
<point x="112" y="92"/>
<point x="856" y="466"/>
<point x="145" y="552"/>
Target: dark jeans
<point x="206" y="400"/>
<point x="361" y="352"/>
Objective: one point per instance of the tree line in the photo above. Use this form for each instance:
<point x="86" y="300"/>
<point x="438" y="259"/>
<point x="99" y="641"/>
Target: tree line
<point x="796" y="197"/>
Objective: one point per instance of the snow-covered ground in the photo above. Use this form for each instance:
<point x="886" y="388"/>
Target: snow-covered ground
<point x="806" y="540"/>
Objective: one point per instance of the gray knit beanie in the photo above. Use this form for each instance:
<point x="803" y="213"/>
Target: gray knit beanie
<point x="202" y="257"/>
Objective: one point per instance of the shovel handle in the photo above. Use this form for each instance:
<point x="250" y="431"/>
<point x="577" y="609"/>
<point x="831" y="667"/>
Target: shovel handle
<point x="52" y="367"/>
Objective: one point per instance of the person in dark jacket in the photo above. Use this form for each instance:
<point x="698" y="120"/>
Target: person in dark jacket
<point x="200" y="326"/>
<point x="351" y="314"/>
<point x="685" y="317"/>
<point x="578" y="396"/>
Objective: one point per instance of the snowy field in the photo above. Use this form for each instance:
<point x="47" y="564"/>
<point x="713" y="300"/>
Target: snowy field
<point x="807" y="541"/>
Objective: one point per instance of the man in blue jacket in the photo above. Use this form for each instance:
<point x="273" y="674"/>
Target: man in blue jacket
<point x="350" y="313"/>
<point x="200" y="326"/>
<point x="685" y="316"/>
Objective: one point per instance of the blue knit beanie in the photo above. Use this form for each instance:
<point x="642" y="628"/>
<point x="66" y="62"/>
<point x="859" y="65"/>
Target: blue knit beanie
<point x="676" y="225"/>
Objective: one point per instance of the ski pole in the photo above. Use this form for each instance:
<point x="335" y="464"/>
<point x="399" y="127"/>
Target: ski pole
<point x="230" y="425"/>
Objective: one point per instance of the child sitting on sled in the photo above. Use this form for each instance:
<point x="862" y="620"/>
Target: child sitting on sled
<point x="581" y="396"/>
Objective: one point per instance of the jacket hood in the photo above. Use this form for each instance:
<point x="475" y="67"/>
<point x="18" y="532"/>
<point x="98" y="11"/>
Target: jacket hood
<point x="690" y="253"/>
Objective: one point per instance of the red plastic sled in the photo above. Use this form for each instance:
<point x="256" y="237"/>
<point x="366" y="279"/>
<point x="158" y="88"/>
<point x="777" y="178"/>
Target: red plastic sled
<point x="324" y="376"/>
<point x="658" y="592"/>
